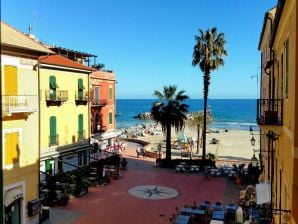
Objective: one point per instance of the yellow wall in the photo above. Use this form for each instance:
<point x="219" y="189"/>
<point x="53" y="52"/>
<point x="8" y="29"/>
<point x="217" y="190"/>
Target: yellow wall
<point x="26" y="125"/>
<point x="67" y="113"/>
<point x="285" y="149"/>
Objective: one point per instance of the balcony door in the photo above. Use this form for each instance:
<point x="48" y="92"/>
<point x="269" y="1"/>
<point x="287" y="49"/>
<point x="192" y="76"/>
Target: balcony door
<point x="96" y="95"/>
<point x="80" y="89"/>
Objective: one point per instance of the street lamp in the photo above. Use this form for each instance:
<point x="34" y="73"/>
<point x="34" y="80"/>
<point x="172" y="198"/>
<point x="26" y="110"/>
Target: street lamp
<point x="253" y="141"/>
<point x="255" y="76"/>
<point x="254" y="161"/>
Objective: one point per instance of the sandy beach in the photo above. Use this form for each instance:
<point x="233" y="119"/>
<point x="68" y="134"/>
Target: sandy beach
<point x="232" y="144"/>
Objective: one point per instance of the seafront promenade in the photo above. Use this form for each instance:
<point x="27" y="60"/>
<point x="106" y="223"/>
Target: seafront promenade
<point x="113" y="203"/>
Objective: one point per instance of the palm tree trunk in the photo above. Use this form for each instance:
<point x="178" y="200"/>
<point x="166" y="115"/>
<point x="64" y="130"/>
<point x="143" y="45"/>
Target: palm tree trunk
<point x="198" y="138"/>
<point x="168" y="143"/>
<point x="206" y="88"/>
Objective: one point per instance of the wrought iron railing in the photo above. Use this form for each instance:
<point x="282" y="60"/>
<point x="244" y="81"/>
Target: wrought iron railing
<point x="98" y="103"/>
<point x="56" y="95"/>
<point x="81" y="96"/>
<point x="19" y="104"/>
<point x="270" y="111"/>
<point x="53" y="140"/>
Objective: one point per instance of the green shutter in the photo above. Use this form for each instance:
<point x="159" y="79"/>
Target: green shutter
<point x="53" y="131"/>
<point x="53" y="86"/>
<point x="110" y="118"/>
<point x="96" y="95"/>
<point x="111" y="93"/>
<point x="48" y="166"/>
<point x="80" y="126"/>
<point x="80" y="88"/>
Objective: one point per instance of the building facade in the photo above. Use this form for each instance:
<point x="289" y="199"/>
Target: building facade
<point x="20" y="125"/>
<point x="103" y="108"/>
<point x="64" y="114"/>
<point x="278" y="110"/>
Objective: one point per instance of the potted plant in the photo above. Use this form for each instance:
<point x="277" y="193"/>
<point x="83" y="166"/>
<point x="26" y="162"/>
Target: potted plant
<point x="239" y="169"/>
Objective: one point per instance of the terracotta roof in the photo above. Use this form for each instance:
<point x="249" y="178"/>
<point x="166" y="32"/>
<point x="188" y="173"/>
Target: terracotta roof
<point x="103" y="75"/>
<point x="15" y="38"/>
<point x="62" y="61"/>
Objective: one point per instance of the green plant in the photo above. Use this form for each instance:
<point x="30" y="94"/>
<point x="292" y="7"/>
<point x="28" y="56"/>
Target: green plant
<point x="211" y="156"/>
<point x="239" y="169"/>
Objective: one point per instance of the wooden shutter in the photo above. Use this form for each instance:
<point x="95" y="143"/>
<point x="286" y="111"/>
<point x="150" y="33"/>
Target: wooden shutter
<point x="53" y="130"/>
<point x="80" y="125"/>
<point x="12" y="148"/>
<point x="96" y="95"/>
<point x="111" y="93"/>
<point x="10" y="80"/>
<point x="110" y="118"/>
<point x="80" y="88"/>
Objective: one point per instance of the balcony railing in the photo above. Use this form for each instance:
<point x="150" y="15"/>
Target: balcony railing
<point x="98" y="103"/>
<point x="53" y="140"/>
<point x="81" y="97"/>
<point x="56" y="97"/>
<point x="81" y="135"/>
<point x="19" y="104"/>
<point x="270" y="112"/>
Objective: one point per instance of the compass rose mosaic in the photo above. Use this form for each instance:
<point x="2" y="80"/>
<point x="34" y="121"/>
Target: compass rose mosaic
<point x="153" y="192"/>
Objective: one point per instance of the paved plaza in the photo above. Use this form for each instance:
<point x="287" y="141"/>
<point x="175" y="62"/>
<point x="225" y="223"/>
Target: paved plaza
<point x="144" y="194"/>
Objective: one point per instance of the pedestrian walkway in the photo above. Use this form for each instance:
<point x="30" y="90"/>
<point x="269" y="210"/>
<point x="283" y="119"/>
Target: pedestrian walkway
<point x="113" y="204"/>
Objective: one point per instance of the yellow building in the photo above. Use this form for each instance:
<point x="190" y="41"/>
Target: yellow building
<point x="278" y="110"/>
<point x="64" y="114"/>
<point x="20" y="125"/>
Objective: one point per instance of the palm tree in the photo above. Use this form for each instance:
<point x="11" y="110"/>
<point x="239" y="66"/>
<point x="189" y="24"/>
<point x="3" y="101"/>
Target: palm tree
<point x="208" y="53"/>
<point x="195" y="122"/>
<point x="170" y="111"/>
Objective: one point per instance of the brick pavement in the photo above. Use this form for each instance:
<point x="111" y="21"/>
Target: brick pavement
<point x="111" y="204"/>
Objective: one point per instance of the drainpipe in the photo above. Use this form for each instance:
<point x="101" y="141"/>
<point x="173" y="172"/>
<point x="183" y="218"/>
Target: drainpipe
<point x="39" y="121"/>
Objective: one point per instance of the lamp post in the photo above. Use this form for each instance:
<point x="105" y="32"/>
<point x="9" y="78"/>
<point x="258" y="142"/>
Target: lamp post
<point x="254" y="161"/>
<point x="253" y="141"/>
<point x="257" y="77"/>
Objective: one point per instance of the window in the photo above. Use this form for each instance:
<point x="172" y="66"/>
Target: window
<point x="110" y="93"/>
<point x="53" y="87"/>
<point x="11" y="80"/>
<point x="287" y="67"/>
<point x="111" y="118"/>
<point x="80" y="89"/>
<point x="12" y="150"/>
<point x="53" y="131"/>
<point x="80" y="126"/>
<point x="96" y="95"/>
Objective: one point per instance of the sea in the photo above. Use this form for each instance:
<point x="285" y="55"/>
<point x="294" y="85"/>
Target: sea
<point x="230" y="114"/>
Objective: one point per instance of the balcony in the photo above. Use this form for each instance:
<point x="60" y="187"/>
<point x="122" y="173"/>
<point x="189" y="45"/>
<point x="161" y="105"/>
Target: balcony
<point x="81" y="135"/>
<point x="81" y="97"/>
<point x="98" y="103"/>
<point x="270" y="112"/>
<point x="53" y="140"/>
<point x="54" y="98"/>
<point x="97" y="128"/>
<point x="19" y="104"/>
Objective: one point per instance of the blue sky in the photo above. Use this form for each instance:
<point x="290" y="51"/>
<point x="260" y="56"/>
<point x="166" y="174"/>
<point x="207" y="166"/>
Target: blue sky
<point x="149" y="43"/>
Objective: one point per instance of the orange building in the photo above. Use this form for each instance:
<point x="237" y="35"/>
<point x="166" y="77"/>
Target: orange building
<point x="102" y="102"/>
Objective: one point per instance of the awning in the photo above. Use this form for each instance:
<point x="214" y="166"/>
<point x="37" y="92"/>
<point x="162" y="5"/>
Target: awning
<point x="263" y="193"/>
<point x="12" y="195"/>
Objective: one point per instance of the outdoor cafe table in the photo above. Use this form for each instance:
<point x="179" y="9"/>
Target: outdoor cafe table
<point x="182" y="219"/>
<point x="218" y="215"/>
<point x="192" y="211"/>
